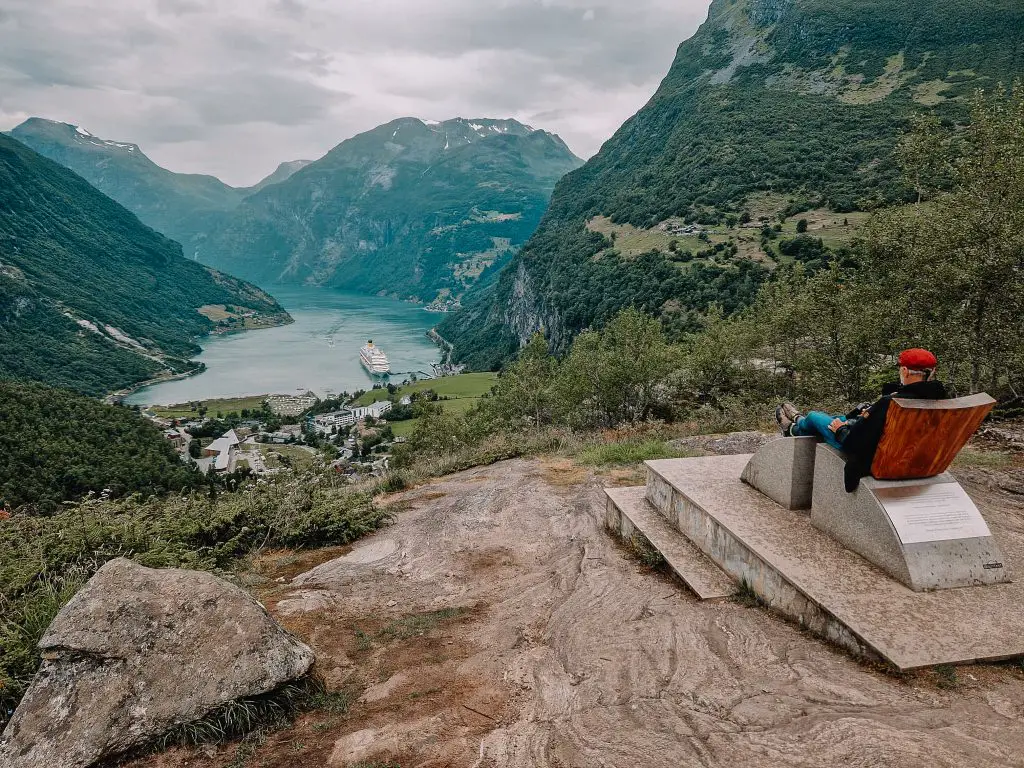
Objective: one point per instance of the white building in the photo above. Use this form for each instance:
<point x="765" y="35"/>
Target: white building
<point x="223" y="449"/>
<point x="376" y="410"/>
<point x="326" y="423"/>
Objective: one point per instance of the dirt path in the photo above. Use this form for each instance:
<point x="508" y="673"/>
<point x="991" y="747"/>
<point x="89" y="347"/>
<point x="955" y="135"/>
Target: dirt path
<point x="497" y="624"/>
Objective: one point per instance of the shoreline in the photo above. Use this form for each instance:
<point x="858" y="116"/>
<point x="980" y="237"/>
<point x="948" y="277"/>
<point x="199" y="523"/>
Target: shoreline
<point x="117" y="397"/>
<point x="427" y="362"/>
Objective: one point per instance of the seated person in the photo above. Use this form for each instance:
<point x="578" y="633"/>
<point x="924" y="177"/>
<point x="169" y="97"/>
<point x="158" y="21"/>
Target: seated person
<point x="858" y="433"/>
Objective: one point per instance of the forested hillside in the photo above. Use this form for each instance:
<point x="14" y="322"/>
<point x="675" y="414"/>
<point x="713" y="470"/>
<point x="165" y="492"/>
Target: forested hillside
<point x="772" y="108"/>
<point x="411" y="209"/>
<point x="179" y="205"/>
<point x="56" y="445"/>
<point x="90" y="298"/>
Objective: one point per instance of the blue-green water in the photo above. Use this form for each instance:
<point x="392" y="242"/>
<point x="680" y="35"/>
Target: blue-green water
<point x="300" y="356"/>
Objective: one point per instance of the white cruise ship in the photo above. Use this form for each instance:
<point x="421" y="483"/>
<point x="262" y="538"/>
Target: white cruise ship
<point x="374" y="360"/>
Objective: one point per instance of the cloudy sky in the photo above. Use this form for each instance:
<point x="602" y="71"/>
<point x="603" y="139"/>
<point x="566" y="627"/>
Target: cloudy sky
<point x="233" y="87"/>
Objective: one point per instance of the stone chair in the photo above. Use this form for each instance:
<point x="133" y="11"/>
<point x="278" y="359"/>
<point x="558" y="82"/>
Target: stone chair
<point x="910" y="517"/>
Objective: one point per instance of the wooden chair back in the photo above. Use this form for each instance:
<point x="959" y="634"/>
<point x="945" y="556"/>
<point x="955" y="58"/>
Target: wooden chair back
<point x="922" y="437"/>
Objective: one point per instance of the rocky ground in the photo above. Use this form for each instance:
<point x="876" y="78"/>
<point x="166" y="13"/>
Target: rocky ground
<point x="497" y="624"/>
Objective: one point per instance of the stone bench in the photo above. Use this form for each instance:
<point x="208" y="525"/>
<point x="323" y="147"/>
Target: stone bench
<point x="910" y="518"/>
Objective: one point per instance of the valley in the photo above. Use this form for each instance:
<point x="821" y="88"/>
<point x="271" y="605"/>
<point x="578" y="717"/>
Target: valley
<point x="319" y="351"/>
<point x="229" y="538"/>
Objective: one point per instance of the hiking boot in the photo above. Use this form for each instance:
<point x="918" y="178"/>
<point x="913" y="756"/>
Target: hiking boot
<point x="787" y="414"/>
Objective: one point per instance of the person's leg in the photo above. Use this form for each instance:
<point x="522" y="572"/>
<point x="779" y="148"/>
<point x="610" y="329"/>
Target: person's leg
<point x="815" y="424"/>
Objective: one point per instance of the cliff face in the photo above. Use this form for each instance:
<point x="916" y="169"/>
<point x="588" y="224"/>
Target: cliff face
<point x="772" y="105"/>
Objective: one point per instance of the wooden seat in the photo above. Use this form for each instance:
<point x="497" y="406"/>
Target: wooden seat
<point x="922" y="437"/>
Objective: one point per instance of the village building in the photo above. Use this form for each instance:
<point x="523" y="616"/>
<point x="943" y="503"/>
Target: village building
<point x="223" y="451"/>
<point x="178" y="438"/>
<point x="291" y="405"/>
<point x="376" y="410"/>
<point x="327" y="423"/>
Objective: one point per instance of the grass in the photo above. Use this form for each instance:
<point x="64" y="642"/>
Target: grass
<point x="225" y="406"/>
<point x="645" y="552"/>
<point x="464" y="391"/>
<point x="835" y="229"/>
<point x="466" y="385"/>
<point x="628" y="452"/>
<point x="946" y="677"/>
<point x="414" y="625"/>
<point x="245" y="716"/>
<point x="827" y="225"/>
<point x="44" y="558"/>
<point x="747" y="596"/>
<point x="288" y="456"/>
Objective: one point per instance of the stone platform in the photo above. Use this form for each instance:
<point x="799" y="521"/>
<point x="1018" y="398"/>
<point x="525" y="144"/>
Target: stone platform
<point x="629" y="513"/>
<point x="813" y="580"/>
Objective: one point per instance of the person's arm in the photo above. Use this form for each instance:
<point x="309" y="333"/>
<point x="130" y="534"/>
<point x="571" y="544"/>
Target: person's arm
<point x="865" y="431"/>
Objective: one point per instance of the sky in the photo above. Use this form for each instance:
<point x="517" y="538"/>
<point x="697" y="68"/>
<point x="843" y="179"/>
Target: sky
<point x="234" y="87"/>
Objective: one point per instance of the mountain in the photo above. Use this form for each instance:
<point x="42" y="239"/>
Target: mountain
<point x="90" y="298"/>
<point x="178" y="205"/>
<point x="773" y="108"/>
<point x="283" y="173"/>
<point x="413" y="209"/>
<point x="58" y="446"/>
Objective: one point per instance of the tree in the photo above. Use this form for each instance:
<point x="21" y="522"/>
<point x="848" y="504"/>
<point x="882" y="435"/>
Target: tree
<point x="953" y="267"/>
<point x="524" y="389"/>
<point x="801" y="226"/>
<point x="616" y="375"/>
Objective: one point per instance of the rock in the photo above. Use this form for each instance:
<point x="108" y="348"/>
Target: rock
<point x="138" y="651"/>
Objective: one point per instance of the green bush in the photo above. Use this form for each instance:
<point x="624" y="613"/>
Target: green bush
<point x="44" y="559"/>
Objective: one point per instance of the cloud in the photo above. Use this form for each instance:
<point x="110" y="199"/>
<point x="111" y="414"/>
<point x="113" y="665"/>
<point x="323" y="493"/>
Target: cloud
<point x="234" y="87"/>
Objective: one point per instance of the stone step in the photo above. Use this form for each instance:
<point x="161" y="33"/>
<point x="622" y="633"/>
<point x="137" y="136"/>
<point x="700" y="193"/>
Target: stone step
<point x="628" y="510"/>
<point x="808" y="577"/>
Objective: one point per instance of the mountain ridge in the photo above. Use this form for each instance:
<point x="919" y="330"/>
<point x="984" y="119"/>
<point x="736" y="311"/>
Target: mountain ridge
<point x="799" y="102"/>
<point x="411" y="208"/>
<point x="90" y="298"/>
<point x="179" y="205"/>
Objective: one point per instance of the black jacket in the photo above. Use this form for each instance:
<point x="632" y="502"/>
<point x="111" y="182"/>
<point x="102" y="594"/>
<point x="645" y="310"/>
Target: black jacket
<point x="861" y="438"/>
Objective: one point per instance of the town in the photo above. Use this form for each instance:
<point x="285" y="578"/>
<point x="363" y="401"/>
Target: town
<point x="285" y="431"/>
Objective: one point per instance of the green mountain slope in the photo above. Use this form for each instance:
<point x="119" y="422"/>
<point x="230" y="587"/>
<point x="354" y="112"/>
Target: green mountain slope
<point x="89" y="297"/>
<point x="178" y="205"/>
<point x="773" y="106"/>
<point x="283" y="172"/>
<point x="57" y="445"/>
<point x="411" y="209"/>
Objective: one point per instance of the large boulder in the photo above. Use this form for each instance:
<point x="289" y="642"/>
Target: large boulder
<point x="138" y="651"/>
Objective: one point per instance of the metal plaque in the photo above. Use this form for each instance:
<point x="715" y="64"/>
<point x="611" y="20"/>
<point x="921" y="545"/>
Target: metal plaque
<point x="932" y="512"/>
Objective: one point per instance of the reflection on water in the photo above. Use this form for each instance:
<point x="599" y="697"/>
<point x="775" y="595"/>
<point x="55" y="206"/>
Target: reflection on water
<point x="319" y="351"/>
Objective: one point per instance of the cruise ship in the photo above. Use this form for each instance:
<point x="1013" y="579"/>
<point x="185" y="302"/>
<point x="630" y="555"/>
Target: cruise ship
<point x="374" y="360"/>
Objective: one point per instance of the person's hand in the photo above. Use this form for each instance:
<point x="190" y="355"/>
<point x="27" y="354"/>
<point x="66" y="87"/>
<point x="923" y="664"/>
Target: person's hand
<point x="865" y="413"/>
<point x="836" y="424"/>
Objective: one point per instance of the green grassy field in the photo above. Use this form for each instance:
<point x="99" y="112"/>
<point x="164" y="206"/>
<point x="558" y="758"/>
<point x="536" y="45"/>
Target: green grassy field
<point x="296" y="457"/>
<point x="464" y="392"/>
<point x="461" y="405"/>
<point x="224" y="406"/>
<point x="834" y="229"/>
<point x="467" y="385"/>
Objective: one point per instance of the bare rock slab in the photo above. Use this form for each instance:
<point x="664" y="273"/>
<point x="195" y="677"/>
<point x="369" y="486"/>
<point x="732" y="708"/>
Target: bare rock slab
<point x="138" y="651"/>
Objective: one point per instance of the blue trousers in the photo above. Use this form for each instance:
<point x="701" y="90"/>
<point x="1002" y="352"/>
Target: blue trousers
<point x="815" y="424"/>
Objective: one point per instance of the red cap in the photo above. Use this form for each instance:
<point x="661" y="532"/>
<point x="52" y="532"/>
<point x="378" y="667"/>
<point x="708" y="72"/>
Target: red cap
<point x="918" y="359"/>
